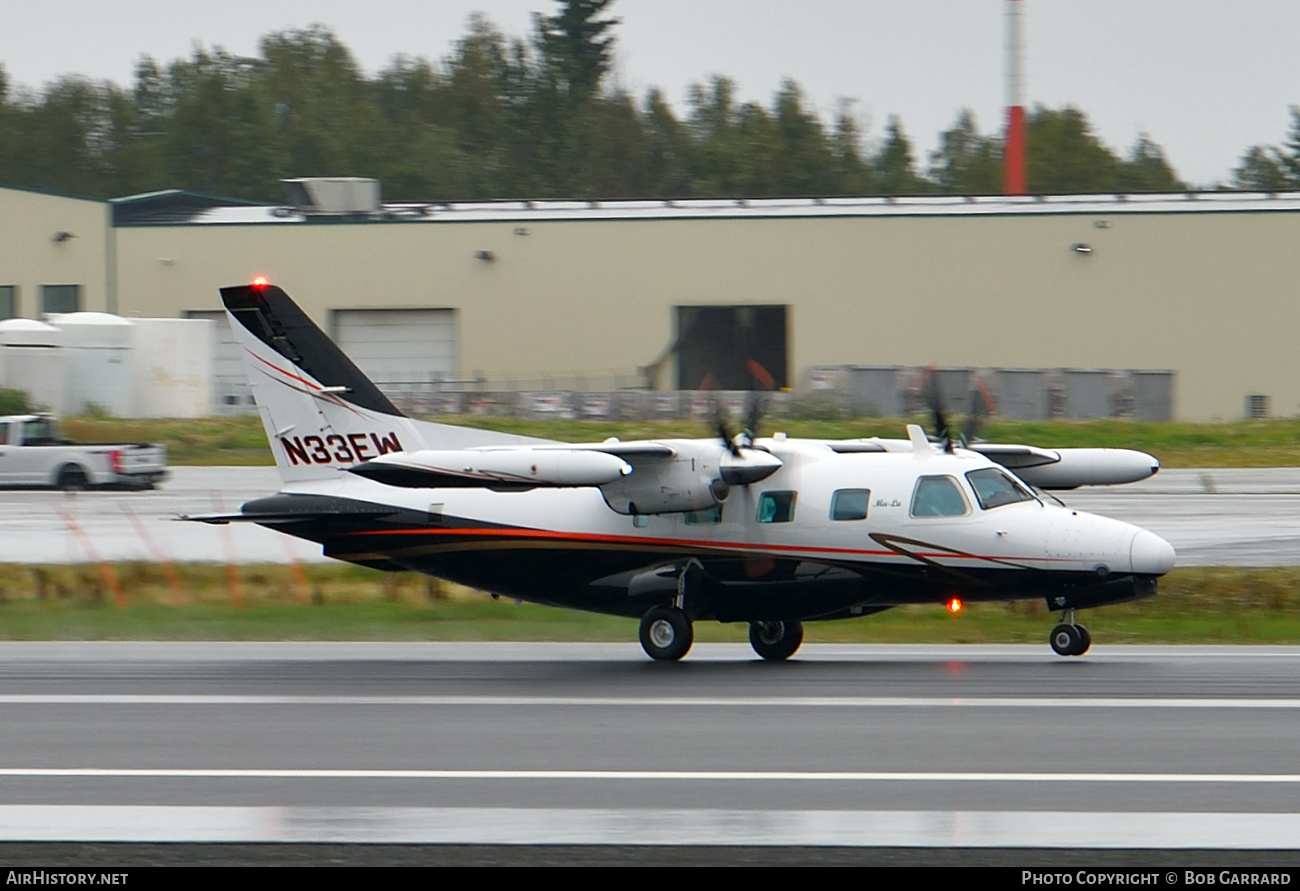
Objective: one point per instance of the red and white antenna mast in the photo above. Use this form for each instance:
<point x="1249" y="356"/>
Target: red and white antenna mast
<point x="1014" y="181"/>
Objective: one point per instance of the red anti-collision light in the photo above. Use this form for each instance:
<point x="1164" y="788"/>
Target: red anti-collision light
<point x="259" y="282"/>
<point x="954" y="605"/>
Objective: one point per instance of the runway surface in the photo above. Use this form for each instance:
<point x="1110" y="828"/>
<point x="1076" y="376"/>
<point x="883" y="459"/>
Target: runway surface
<point x="1235" y="517"/>
<point x="857" y="749"/>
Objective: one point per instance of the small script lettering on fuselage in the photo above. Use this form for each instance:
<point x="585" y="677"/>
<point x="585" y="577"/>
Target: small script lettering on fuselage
<point x="338" y="449"/>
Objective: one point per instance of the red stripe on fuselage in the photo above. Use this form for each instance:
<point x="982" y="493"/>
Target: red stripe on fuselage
<point x="599" y="538"/>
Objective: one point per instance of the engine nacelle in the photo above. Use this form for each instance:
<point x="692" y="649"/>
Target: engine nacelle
<point x="686" y="485"/>
<point x="691" y="479"/>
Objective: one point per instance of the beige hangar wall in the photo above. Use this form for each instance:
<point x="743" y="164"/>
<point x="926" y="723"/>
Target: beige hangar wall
<point x="1205" y="294"/>
<point x="30" y="255"/>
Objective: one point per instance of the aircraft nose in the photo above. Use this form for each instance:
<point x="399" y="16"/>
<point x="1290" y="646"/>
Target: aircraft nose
<point x="1150" y="554"/>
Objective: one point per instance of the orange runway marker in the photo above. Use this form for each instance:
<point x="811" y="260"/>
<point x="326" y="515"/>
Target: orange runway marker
<point x="173" y="580"/>
<point x="105" y="571"/>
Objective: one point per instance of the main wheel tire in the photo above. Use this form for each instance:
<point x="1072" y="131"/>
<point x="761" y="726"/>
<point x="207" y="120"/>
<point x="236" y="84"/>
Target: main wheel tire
<point x="666" y="633"/>
<point x="1066" y="640"/>
<point x="71" y="478"/>
<point x="776" y="641"/>
<point x="1085" y="642"/>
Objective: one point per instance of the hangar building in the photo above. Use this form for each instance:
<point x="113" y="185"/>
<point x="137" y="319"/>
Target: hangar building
<point x="1197" y="284"/>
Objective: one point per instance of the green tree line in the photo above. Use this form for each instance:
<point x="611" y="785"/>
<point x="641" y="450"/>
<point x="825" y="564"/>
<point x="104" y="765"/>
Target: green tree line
<point x="534" y="117"/>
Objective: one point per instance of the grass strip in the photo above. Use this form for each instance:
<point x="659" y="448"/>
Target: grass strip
<point x="340" y="602"/>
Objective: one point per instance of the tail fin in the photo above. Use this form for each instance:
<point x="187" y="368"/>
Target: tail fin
<point x="321" y="413"/>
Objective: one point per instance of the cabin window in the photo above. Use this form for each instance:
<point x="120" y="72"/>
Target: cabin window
<point x="850" y="504"/>
<point x="993" y="488"/>
<point x="705" y="517"/>
<point x="938" y="496"/>
<point x="640" y="521"/>
<point x="776" y="507"/>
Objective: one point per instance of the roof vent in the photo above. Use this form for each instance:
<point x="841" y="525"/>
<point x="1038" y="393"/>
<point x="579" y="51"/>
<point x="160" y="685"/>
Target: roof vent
<point x="333" y="195"/>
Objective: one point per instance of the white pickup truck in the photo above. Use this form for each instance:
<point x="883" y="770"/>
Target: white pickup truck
<point x="32" y="453"/>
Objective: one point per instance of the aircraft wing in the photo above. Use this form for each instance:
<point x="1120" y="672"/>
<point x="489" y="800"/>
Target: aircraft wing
<point x="1015" y="457"/>
<point x="636" y="477"/>
<point x="1071" y="468"/>
<point x="507" y="467"/>
<point x="1041" y="468"/>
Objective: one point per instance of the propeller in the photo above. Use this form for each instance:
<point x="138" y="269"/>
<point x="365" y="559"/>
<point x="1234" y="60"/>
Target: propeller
<point x="981" y="407"/>
<point x="743" y="464"/>
<point x="736" y="442"/>
<point x="932" y="392"/>
<point x="723" y="422"/>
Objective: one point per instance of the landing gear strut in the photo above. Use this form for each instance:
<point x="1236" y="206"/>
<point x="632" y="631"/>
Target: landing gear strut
<point x="666" y="633"/>
<point x="1069" y="638"/>
<point x="776" y="641"/>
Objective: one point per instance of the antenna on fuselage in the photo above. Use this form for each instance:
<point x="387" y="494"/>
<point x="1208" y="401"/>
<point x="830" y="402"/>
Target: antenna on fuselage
<point x="921" y="447"/>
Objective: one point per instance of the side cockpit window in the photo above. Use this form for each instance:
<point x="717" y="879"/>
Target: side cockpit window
<point x="938" y="496"/>
<point x="776" y="507"/>
<point x="995" y="488"/>
<point x="849" y="504"/>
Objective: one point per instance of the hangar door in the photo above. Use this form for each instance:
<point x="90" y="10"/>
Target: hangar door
<point x="399" y="349"/>
<point x="732" y="347"/>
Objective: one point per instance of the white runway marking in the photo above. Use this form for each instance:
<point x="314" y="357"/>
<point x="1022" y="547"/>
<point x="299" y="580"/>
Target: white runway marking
<point x="851" y="702"/>
<point x="821" y="776"/>
<point x="577" y="826"/>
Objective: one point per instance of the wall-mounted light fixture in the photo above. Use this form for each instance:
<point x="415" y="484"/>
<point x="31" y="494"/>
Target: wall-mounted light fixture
<point x="1081" y="248"/>
<point x="61" y="236"/>
<point x="486" y="256"/>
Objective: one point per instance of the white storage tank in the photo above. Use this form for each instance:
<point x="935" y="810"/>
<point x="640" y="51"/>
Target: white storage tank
<point x="97" y="349"/>
<point x="31" y="360"/>
<point x="172" y="368"/>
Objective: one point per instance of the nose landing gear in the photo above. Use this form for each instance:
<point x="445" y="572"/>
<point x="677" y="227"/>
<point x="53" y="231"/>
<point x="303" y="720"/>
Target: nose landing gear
<point x="1069" y="638"/>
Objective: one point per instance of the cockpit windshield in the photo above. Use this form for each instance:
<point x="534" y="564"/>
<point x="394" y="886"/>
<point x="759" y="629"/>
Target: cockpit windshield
<point x="995" y="488"/>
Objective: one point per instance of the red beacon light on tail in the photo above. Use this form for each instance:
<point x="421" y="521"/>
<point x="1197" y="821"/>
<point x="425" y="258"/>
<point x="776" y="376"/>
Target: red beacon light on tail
<point x="259" y="282"/>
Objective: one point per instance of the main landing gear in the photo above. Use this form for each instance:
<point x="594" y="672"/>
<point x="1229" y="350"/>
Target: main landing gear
<point x="1069" y="638"/>
<point x="666" y="633"/>
<point x="776" y="641"/>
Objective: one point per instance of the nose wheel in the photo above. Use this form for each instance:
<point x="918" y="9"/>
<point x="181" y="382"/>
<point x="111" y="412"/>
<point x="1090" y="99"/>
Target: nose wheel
<point x="666" y="633"/>
<point x="776" y="641"/>
<point x="1069" y="639"/>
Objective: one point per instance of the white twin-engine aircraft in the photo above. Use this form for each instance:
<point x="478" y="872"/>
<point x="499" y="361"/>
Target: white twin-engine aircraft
<point x="770" y="531"/>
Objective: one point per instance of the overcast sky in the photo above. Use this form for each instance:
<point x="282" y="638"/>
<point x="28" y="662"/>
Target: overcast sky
<point x="1204" y="79"/>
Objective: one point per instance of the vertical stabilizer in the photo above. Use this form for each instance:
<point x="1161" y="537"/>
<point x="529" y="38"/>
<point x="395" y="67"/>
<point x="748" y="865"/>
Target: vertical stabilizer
<point x="320" y="411"/>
